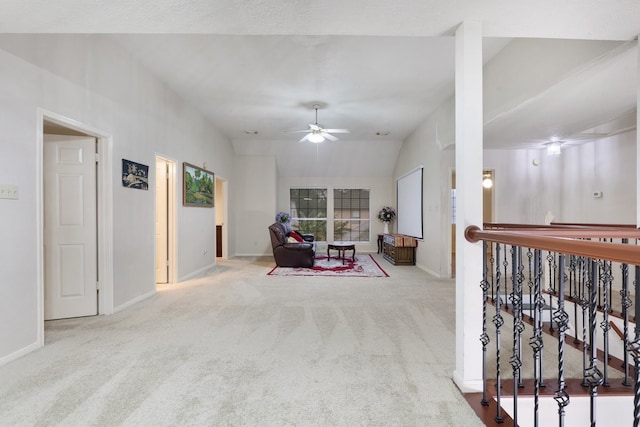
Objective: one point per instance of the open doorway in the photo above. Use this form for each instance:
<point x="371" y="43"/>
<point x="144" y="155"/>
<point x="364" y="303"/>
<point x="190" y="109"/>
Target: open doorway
<point x="165" y="220"/>
<point x="488" y="185"/>
<point x="222" y="247"/>
<point x="57" y="132"/>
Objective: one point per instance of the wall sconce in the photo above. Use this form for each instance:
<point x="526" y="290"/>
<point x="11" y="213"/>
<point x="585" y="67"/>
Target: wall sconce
<point x="554" y="148"/>
<point x="487" y="182"/>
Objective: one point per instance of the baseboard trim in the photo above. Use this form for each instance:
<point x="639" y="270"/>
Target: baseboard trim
<point x="18" y="354"/>
<point x="197" y="273"/>
<point x="428" y="271"/>
<point x="256" y="254"/>
<point x="134" y="301"/>
<point x="468" y="386"/>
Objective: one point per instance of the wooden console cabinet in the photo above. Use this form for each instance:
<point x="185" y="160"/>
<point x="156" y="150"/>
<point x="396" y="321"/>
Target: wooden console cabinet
<point x="399" y="249"/>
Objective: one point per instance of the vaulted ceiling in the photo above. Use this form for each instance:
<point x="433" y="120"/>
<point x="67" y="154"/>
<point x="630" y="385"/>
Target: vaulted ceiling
<point x="256" y="68"/>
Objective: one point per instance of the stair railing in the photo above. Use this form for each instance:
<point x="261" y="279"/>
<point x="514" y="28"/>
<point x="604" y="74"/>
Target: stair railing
<point x="578" y="271"/>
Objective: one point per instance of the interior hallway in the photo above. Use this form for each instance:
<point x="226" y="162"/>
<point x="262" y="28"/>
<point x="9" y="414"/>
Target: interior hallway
<point x="238" y="347"/>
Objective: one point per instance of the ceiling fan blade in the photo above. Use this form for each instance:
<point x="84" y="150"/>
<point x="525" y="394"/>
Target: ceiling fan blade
<point x="317" y="133"/>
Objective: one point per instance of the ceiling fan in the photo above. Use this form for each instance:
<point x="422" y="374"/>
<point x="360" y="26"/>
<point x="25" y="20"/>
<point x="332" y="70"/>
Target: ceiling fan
<point x="317" y="133"/>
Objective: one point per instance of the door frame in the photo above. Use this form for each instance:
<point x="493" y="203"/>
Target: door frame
<point x="223" y="200"/>
<point x="171" y="217"/>
<point x="104" y="211"/>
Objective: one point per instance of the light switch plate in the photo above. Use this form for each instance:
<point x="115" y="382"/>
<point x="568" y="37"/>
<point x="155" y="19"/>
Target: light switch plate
<point x="8" y="191"/>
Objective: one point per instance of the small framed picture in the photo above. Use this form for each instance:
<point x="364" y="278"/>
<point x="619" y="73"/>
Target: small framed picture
<point x="135" y="175"/>
<point x="197" y="186"/>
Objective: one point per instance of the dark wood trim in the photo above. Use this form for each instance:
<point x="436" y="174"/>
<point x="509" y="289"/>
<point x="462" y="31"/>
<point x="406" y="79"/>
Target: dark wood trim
<point x="628" y="254"/>
<point x="574" y="387"/>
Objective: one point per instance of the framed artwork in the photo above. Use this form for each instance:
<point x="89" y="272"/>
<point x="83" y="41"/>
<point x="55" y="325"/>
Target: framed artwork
<point x="135" y="175"/>
<point x="197" y="186"/>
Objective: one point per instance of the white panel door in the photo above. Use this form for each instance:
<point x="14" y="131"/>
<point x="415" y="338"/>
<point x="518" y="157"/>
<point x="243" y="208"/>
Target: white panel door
<point x="162" y="239"/>
<point x="70" y="227"/>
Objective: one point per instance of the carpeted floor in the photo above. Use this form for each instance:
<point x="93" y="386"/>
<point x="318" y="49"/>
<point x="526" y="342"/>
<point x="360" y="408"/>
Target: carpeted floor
<point x="240" y="348"/>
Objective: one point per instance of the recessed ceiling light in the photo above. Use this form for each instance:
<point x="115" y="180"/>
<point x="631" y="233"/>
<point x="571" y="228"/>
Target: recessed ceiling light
<point x="382" y="133"/>
<point x="251" y="132"/>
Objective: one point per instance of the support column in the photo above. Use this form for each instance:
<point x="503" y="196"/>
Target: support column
<point x="468" y="107"/>
<point x="638" y="134"/>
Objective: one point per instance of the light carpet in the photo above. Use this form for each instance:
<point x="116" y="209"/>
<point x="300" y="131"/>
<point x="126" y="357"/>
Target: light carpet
<point x="239" y="348"/>
<point x="363" y="266"/>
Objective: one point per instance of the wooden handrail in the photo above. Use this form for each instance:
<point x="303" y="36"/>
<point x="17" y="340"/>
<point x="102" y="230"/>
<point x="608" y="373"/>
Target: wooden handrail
<point x="556" y="226"/>
<point x="584" y="224"/>
<point x="581" y="233"/>
<point x="628" y="254"/>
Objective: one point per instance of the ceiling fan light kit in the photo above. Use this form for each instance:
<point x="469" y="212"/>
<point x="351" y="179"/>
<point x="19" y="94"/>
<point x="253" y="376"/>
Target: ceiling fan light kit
<point x="316" y="133"/>
<point x="554" y="148"/>
<point x="316" y="138"/>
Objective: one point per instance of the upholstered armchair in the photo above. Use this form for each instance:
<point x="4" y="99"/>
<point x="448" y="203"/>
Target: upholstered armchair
<point x="289" y="253"/>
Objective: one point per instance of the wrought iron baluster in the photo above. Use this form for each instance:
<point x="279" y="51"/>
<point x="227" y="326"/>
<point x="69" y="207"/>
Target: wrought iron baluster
<point x="492" y="261"/>
<point x="600" y="284"/>
<point x="520" y="311"/>
<point x="505" y="265"/>
<point x="498" y="321"/>
<point x="518" y="327"/>
<point x="530" y="282"/>
<point x="610" y="283"/>
<point x="551" y="288"/>
<point x="626" y="304"/>
<point x="536" y="340"/>
<point x="605" y="325"/>
<point x="611" y="287"/>
<point x="573" y="271"/>
<point x="593" y="376"/>
<point x="562" y="320"/>
<point x="634" y="348"/>
<point x="484" y="338"/>
<point x="584" y="303"/>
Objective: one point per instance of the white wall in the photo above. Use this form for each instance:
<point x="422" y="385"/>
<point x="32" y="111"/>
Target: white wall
<point x="381" y="194"/>
<point x="608" y="166"/>
<point x="424" y="147"/>
<point x="524" y="192"/>
<point x="256" y="186"/>
<point x="564" y="185"/>
<point x="94" y="82"/>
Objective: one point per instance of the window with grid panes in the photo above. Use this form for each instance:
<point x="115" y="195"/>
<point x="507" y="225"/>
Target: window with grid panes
<point x="351" y="219"/>
<point x="308" y="208"/>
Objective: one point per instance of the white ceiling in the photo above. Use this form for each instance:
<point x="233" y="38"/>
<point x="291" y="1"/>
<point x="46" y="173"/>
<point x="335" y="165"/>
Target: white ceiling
<point x="373" y="66"/>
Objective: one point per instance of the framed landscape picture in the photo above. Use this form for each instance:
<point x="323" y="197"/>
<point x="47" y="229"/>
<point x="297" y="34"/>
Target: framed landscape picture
<point x="197" y="186"/>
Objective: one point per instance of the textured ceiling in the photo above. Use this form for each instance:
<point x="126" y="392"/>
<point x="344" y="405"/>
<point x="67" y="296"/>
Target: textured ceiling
<point x="372" y="65"/>
<point x="578" y="19"/>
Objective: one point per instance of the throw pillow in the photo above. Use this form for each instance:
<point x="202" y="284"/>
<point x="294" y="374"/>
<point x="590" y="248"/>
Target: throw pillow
<point x="291" y="239"/>
<point x="296" y="236"/>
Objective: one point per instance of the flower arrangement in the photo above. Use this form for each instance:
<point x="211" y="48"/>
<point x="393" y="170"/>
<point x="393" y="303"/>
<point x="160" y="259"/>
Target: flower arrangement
<point x="387" y="214"/>
<point x="283" y="217"/>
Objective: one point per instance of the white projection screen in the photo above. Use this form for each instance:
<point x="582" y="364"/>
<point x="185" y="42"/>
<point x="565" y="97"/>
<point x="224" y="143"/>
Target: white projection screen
<point x="410" y="203"/>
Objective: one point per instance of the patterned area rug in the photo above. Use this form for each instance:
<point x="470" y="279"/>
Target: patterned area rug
<point x="364" y="266"/>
